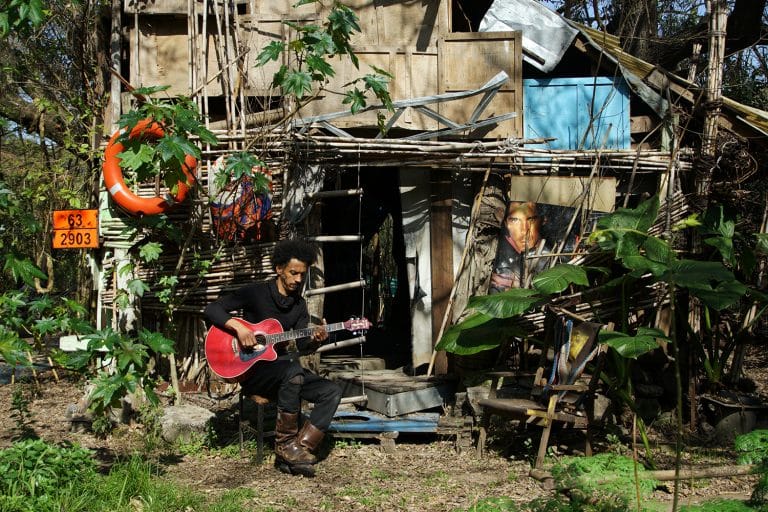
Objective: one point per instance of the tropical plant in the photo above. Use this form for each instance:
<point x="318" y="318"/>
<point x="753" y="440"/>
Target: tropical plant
<point x="623" y="234"/>
<point x="310" y="64"/>
<point x="127" y="370"/>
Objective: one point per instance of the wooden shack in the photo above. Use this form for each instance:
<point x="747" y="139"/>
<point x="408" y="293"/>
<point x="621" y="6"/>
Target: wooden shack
<point x="480" y="118"/>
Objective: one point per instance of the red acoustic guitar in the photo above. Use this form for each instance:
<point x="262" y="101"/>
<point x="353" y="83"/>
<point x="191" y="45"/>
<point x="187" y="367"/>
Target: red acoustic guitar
<point x="231" y="362"/>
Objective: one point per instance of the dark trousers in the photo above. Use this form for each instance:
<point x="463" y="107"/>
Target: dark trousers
<point x="289" y="383"/>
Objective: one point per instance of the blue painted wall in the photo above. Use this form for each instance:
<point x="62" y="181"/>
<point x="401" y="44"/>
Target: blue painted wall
<point x="562" y="107"/>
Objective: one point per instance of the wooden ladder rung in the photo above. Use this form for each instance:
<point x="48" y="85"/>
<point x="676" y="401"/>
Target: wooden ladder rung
<point x="354" y="399"/>
<point x="337" y="193"/>
<point x="335" y="238"/>
<point x="341" y="344"/>
<point x="335" y="288"/>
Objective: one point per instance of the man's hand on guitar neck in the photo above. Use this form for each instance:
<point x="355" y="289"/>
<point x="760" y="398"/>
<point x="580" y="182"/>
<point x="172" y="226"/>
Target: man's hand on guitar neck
<point x="319" y="334"/>
<point x="245" y="336"/>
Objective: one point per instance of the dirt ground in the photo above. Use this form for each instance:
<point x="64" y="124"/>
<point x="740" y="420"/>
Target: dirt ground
<point x="424" y="472"/>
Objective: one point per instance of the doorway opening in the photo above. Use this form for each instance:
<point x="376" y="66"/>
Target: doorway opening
<point x="384" y="300"/>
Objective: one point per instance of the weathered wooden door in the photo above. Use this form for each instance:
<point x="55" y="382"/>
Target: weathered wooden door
<point x="468" y="60"/>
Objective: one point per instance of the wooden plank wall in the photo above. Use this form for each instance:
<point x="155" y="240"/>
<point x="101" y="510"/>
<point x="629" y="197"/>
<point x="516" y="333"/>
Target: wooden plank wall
<point x="411" y="40"/>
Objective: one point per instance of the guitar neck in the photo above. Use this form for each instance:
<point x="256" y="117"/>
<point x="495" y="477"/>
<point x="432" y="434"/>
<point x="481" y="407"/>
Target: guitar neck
<point x="281" y="337"/>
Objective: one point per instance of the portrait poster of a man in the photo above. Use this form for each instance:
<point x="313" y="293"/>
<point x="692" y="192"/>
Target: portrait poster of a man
<point x="532" y="235"/>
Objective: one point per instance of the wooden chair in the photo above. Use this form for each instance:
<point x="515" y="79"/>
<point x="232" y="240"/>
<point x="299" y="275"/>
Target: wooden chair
<point x="246" y="426"/>
<point x="558" y="393"/>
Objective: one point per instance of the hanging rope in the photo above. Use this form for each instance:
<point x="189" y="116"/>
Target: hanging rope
<point x="360" y="264"/>
<point x="49" y="270"/>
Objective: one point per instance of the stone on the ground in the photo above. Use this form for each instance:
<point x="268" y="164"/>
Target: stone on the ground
<point x="184" y="423"/>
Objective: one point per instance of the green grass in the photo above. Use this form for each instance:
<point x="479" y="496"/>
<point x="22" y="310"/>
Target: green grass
<point x="719" y="506"/>
<point x="39" y="477"/>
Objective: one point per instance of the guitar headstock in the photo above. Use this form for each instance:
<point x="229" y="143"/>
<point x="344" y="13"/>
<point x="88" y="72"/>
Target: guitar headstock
<point x="357" y="324"/>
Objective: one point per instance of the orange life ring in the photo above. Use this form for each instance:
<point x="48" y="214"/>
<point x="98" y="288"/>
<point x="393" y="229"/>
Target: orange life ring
<point x="113" y="175"/>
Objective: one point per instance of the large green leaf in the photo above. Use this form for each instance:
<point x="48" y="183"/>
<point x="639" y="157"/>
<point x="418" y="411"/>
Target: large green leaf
<point x="485" y="336"/>
<point x="717" y="221"/>
<point x="637" y="219"/>
<point x="559" y="277"/>
<point x="640" y="264"/>
<point x="710" y="281"/>
<point x="631" y="347"/>
<point x="724" y="246"/>
<point x="724" y="295"/>
<point x="513" y="302"/>
<point x="448" y="340"/>
<point x="698" y="274"/>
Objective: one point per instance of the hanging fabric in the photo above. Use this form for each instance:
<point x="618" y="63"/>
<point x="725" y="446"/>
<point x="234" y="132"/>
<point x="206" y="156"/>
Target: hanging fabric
<point x="238" y="212"/>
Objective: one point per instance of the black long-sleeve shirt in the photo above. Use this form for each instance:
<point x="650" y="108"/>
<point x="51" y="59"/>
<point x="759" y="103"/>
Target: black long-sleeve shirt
<point x="258" y="302"/>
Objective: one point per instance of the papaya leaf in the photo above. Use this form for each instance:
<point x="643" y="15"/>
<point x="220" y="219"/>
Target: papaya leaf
<point x="156" y="341"/>
<point x="22" y="268"/>
<point x="297" y="83"/>
<point x="150" y="251"/>
<point x="559" y="277"/>
<point x="355" y="99"/>
<point x="149" y="90"/>
<point x="77" y="360"/>
<point x="137" y="287"/>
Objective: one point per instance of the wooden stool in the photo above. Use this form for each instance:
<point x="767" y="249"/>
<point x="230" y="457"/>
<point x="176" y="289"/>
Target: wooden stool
<point x="261" y="403"/>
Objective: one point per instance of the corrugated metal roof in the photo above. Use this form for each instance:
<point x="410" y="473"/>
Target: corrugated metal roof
<point x="756" y="118"/>
<point x="546" y="34"/>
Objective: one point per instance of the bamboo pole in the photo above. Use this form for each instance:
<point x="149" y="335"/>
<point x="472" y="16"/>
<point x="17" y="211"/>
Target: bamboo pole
<point x="718" y="18"/>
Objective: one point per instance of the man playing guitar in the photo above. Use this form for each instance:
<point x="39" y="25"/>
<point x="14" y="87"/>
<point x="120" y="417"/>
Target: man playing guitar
<point x="283" y="379"/>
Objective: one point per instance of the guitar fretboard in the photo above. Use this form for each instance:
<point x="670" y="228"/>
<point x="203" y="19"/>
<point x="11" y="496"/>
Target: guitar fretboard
<point x="280" y="337"/>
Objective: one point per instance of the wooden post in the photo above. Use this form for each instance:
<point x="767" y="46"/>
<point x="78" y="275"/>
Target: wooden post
<point x="441" y="244"/>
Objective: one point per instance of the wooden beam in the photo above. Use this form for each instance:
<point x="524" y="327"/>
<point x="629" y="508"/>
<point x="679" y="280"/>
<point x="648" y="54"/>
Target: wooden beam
<point x="641" y="124"/>
<point x="441" y="245"/>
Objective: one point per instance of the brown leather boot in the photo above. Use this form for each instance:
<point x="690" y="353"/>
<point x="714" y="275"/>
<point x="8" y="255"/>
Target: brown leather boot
<point x="290" y="456"/>
<point x="310" y="437"/>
